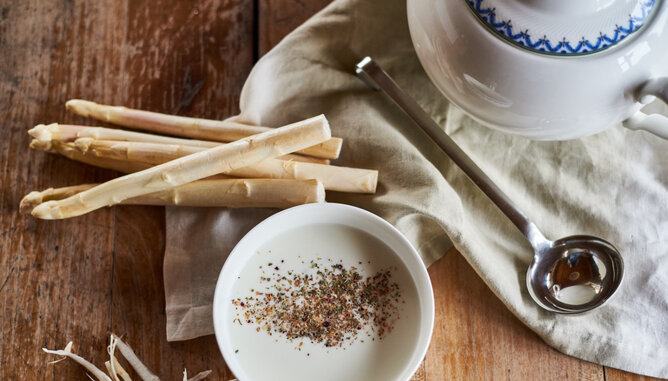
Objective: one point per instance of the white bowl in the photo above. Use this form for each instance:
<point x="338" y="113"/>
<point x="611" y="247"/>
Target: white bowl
<point x="324" y="232"/>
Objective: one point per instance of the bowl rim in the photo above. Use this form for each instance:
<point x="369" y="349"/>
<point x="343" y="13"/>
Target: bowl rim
<point x="415" y="266"/>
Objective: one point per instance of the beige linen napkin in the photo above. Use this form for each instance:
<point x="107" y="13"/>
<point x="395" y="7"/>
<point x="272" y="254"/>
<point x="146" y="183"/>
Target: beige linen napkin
<point x="612" y="185"/>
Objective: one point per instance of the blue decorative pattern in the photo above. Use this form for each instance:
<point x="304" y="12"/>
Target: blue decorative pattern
<point x="523" y="38"/>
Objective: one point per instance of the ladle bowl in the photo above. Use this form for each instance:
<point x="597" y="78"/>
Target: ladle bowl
<point x="574" y="274"/>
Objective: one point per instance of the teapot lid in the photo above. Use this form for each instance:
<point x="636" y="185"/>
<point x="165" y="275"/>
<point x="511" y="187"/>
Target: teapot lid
<point x="564" y="27"/>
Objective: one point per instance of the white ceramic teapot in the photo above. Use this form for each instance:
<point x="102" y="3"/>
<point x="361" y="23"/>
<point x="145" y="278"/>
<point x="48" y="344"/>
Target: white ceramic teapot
<point x="547" y="69"/>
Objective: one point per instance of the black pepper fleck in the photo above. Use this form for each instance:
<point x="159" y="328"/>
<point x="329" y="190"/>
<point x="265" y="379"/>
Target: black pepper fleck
<point x="332" y="306"/>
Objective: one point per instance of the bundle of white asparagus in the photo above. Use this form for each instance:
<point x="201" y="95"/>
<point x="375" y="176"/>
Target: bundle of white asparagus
<point x="238" y="166"/>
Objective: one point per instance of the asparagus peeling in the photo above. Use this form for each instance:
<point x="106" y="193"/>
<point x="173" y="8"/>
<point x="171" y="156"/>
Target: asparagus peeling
<point x="67" y="352"/>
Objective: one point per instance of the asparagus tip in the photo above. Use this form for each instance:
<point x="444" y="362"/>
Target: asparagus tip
<point x="47" y="211"/>
<point x="40" y="145"/>
<point x="35" y="131"/>
<point x="80" y="106"/>
<point x="29" y="202"/>
<point x="43" y="132"/>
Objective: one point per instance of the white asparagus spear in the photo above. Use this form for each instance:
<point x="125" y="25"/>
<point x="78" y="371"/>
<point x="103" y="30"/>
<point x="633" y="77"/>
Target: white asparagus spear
<point x="334" y="178"/>
<point x="342" y="179"/>
<point x="71" y="132"/>
<point x="68" y="133"/>
<point x="186" y="127"/>
<point x="189" y="168"/>
<point x="73" y="153"/>
<point x="151" y="153"/>
<point x="238" y="193"/>
<point x="230" y="193"/>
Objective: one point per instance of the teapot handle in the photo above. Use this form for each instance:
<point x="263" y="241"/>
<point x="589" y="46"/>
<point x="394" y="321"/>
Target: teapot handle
<point x="654" y="123"/>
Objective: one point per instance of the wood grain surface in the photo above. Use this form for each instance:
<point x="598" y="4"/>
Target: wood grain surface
<point x="82" y="278"/>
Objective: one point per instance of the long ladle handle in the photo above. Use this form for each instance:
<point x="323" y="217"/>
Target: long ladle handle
<point x="375" y="77"/>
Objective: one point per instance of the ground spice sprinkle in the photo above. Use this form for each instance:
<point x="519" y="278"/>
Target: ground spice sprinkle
<point x="331" y="304"/>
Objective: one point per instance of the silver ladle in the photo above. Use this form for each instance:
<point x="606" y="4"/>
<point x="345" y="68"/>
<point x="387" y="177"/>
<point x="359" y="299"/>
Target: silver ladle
<point x="570" y="275"/>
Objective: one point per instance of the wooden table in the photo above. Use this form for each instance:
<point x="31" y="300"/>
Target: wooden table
<point x="82" y="278"/>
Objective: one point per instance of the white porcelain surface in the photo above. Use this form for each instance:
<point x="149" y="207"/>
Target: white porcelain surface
<point x="539" y="96"/>
<point x="564" y="27"/>
<point x="297" y="235"/>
